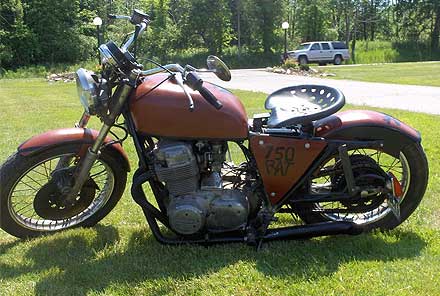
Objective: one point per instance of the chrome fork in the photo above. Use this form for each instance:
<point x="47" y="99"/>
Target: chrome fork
<point x="65" y="160"/>
<point x="85" y="165"/>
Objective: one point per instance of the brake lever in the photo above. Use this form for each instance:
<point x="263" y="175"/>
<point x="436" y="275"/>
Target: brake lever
<point x="179" y="81"/>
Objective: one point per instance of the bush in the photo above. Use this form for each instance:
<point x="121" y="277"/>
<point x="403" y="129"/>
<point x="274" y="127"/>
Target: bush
<point x="369" y="52"/>
<point x="289" y="63"/>
<point x="304" y="67"/>
<point x="41" y="71"/>
<point x="247" y="58"/>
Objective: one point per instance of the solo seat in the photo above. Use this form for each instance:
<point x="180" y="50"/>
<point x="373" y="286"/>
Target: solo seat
<point x="302" y="104"/>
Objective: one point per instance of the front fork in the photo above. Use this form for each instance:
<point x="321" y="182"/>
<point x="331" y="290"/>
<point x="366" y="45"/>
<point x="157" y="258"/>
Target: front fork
<point x="119" y="98"/>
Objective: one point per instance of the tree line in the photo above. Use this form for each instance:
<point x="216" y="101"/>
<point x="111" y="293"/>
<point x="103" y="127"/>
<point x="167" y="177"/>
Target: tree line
<point x="46" y="31"/>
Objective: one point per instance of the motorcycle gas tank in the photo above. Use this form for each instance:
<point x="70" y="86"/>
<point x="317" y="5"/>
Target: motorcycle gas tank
<point x="164" y="111"/>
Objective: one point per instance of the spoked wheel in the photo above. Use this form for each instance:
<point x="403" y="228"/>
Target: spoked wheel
<point x="371" y="169"/>
<point x="35" y="195"/>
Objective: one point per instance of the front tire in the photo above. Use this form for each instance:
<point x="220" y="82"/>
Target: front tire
<point x="413" y="179"/>
<point x="302" y="60"/>
<point x="25" y="211"/>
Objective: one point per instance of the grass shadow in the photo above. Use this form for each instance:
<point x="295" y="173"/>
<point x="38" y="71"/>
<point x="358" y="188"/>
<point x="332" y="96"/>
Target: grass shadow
<point x="81" y="264"/>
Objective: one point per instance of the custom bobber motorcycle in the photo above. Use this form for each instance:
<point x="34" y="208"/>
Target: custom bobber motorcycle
<point x="340" y="173"/>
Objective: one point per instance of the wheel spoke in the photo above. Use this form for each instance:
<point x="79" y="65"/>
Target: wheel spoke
<point x="374" y="206"/>
<point x="23" y="193"/>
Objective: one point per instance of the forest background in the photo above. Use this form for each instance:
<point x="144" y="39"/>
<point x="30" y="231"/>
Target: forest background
<point x="246" y="33"/>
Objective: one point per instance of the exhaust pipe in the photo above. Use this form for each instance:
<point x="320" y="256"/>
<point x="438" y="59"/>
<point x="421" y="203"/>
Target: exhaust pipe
<point x="313" y="230"/>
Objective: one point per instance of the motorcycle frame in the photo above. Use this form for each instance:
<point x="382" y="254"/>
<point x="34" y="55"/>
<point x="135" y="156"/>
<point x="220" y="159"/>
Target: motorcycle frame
<point x="145" y="173"/>
<point x="144" y="144"/>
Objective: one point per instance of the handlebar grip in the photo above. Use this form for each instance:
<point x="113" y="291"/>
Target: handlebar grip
<point x="196" y="83"/>
<point x="210" y="98"/>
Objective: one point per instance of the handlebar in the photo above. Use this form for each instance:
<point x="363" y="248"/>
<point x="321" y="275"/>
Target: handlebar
<point x="141" y="21"/>
<point x="169" y="67"/>
<point x="118" y="17"/>
<point x="196" y="83"/>
<point x="210" y="98"/>
<point x="139" y="30"/>
<point x="191" y="79"/>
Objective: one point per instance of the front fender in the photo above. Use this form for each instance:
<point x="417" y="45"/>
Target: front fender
<point x="65" y="136"/>
<point x="367" y="125"/>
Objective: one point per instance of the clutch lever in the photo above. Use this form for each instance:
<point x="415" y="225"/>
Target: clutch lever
<point x="179" y="81"/>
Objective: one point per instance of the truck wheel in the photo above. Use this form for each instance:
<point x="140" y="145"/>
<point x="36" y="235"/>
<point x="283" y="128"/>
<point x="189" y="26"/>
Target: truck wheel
<point x="302" y="60"/>
<point x="338" y="60"/>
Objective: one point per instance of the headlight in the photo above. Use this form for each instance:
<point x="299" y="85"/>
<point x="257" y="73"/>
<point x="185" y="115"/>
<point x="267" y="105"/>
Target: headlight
<point x="107" y="57"/>
<point x="87" y="89"/>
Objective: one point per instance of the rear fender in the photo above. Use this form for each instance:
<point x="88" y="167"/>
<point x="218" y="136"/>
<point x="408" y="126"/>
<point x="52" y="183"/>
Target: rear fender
<point x="64" y="136"/>
<point x="367" y="125"/>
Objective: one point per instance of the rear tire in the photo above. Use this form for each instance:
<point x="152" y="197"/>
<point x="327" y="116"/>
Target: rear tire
<point x="413" y="194"/>
<point x="36" y="171"/>
<point x="337" y="60"/>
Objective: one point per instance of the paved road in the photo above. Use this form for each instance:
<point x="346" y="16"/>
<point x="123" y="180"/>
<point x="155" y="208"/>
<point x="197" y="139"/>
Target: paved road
<point x="408" y="97"/>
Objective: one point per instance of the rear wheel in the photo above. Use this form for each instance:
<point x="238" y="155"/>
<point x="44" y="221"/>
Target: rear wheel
<point x="33" y="197"/>
<point x="370" y="167"/>
<point x="337" y="60"/>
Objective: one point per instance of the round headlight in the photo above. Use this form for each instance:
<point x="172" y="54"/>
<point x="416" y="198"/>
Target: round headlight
<point x="87" y="89"/>
<point x="107" y="56"/>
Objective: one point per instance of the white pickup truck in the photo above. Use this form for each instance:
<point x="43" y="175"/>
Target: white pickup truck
<point x="321" y="52"/>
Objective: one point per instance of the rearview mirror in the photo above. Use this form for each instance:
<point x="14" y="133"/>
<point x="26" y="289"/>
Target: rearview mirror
<point x="218" y="67"/>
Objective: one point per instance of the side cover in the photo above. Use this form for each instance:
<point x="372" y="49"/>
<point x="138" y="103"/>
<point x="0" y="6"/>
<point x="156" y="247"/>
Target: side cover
<point x="64" y="136"/>
<point x="283" y="161"/>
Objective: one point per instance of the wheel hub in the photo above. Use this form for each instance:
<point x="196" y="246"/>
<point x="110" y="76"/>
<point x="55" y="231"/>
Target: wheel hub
<point x="52" y="201"/>
<point x="371" y="181"/>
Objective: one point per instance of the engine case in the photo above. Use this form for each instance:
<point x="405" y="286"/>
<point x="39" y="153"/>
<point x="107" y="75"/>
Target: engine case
<point x="176" y="165"/>
<point x="217" y="210"/>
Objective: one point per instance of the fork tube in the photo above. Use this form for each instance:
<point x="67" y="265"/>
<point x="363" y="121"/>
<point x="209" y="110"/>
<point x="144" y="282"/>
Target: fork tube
<point x="92" y="154"/>
<point x="82" y="123"/>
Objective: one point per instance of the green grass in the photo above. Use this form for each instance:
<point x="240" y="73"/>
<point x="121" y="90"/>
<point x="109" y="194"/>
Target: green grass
<point x="401" y="73"/>
<point x="120" y="256"/>
<point x="379" y="51"/>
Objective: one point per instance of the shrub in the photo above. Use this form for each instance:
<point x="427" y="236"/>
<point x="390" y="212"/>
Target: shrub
<point x="304" y="67"/>
<point x="289" y="63"/>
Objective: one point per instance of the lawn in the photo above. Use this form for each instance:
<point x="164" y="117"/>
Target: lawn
<point x="120" y="256"/>
<point x="401" y="73"/>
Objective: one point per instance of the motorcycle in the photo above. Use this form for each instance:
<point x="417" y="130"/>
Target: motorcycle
<point x="340" y="173"/>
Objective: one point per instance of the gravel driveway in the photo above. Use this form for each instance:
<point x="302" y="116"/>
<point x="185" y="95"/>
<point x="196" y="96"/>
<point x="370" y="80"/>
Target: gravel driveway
<point x="408" y="97"/>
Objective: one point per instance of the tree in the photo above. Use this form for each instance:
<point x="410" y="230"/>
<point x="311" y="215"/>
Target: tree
<point x="262" y="21"/>
<point x="206" y="20"/>
<point x="313" y="22"/>
<point x="16" y="40"/>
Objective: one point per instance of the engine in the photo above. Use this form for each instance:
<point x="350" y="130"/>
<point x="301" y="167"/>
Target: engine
<point x="198" y="201"/>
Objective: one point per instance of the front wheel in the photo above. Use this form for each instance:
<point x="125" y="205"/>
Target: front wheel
<point x="33" y="191"/>
<point x="371" y="211"/>
<point x="303" y="60"/>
